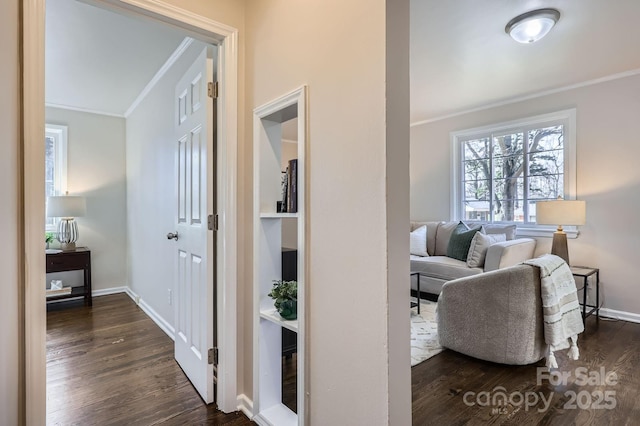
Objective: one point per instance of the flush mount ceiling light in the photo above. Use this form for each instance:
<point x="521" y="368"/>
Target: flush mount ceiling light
<point x="532" y="26"/>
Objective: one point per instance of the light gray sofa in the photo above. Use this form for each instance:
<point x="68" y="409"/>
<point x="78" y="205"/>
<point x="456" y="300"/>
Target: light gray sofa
<point x="437" y="268"/>
<point x="496" y="316"/>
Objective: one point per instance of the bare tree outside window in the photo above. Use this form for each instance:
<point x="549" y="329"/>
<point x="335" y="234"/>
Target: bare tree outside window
<point x="504" y="174"/>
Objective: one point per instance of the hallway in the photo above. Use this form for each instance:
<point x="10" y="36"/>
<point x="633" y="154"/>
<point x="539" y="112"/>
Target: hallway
<point x="111" y="364"/>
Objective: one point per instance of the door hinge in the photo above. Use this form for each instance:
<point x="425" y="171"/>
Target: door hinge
<point x="213" y="90"/>
<point x="213" y="356"/>
<point x="212" y="222"/>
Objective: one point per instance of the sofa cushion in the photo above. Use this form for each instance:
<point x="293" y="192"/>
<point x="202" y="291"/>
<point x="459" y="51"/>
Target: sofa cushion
<point x="443" y="234"/>
<point x="509" y="230"/>
<point x="418" y="241"/>
<point x="442" y="267"/>
<point x="479" y="245"/>
<point x="460" y="241"/>
<point x="432" y="228"/>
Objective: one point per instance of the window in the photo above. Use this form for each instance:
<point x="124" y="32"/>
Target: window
<point x="501" y="171"/>
<point x="55" y="171"/>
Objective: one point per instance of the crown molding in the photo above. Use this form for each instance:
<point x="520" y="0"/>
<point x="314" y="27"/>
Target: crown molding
<point x="81" y="109"/>
<point x="611" y="77"/>
<point x="159" y="74"/>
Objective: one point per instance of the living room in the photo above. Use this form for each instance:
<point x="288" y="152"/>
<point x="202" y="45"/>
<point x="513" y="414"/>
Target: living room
<point x="474" y="79"/>
<point x="576" y="67"/>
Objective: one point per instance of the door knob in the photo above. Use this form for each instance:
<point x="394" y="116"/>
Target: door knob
<point x="172" y="236"/>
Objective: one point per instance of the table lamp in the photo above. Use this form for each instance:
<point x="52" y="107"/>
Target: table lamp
<point x="560" y="212"/>
<point x="67" y="208"/>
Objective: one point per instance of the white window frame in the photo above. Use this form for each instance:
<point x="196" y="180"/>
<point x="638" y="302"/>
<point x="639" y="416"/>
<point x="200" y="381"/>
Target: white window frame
<point x="565" y="117"/>
<point x="59" y="134"/>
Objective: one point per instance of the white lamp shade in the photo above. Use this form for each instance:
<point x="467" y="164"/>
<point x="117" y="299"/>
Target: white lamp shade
<point x="66" y="206"/>
<point x="561" y="212"/>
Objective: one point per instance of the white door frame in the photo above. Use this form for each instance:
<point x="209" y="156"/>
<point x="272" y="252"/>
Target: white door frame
<point x="207" y="30"/>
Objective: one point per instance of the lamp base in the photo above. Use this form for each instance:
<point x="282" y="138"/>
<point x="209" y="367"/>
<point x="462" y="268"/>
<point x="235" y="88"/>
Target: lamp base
<point x="559" y="245"/>
<point x="68" y="246"/>
<point x="67" y="234"/>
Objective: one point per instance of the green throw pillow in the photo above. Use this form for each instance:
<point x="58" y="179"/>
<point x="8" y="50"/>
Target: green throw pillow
<point x="460" y="242"/>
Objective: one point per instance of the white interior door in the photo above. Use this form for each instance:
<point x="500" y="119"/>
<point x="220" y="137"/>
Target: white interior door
<point x="194" y="285"/>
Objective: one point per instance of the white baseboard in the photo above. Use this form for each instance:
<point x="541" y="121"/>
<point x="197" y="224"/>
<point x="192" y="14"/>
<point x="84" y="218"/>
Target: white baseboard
<point x="133" y="295"/>
<point x="161" y="322"/>
<point x="106" y="291"/>
<point x="620" y="315"/>
<point x="245" y="405"/>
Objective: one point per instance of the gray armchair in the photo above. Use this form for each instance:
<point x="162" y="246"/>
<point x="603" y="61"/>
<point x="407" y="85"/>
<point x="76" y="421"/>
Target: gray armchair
<point x="495" y="316"/>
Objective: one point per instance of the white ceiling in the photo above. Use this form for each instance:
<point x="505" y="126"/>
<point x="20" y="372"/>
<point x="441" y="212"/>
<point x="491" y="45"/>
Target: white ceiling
<point x="461" y="58"/>
<point x="99" y="60"/>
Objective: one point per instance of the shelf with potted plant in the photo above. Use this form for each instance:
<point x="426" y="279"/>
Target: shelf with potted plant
<point x="272" y="310"/>
<point x="284" y="295"/>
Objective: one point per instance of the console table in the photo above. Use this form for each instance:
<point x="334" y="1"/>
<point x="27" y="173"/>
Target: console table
<point x="73" y="260"/>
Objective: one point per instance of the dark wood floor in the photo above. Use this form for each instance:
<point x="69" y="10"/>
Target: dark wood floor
<point x="440" y="384"/>
<point x="112" y="365"/>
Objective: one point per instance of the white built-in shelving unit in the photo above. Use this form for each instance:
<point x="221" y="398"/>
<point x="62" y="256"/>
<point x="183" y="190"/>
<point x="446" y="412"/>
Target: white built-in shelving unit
<point x="268" y="408"/>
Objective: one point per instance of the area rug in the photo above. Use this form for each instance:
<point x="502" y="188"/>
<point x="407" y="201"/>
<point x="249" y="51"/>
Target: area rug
<point x="424" y="333"/>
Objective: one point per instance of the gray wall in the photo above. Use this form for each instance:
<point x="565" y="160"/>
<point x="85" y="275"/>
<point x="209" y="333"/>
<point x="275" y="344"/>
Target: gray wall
<point x="608" y="177"/>
<point x="96" y="170"/>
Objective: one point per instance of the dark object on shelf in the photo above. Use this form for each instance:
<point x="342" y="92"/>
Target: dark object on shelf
<point x="292" y="186"/>
<point x="279" y="207"/>
<point x="289" y="273"/>
<point x="73" y="260"/>
<point x="284" y="186"/>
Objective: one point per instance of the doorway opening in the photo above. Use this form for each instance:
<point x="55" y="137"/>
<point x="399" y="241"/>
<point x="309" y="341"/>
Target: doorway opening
<point x="208" y="31"/>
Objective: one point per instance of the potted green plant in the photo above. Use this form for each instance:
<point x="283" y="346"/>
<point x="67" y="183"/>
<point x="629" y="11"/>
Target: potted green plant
<point x="48" y="238"/>
<point x="285" y="294"/>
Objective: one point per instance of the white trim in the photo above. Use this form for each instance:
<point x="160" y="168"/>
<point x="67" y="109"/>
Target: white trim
<point x="81" y="109"/>
<point x="161" y="72"/>
<point x="289" y="141"/>
<point x="151" y="313"/>
<point x="510" y="101"/>
<point x="33" y="394"/>
<point x="157" y="318"/>
<point x="227" y="324"/>
<point x="33" y="106"/>
<point x="245" y="405"/>
<point x="620" y="315"/>
<point x="108" y="291"/>
<point x="59" y="133"/>
<point x="544" y="231"/>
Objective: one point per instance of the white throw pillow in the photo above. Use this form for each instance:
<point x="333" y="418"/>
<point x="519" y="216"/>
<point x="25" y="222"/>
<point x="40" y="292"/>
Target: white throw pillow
<point x="419" y="241"/>
<point x="479" y="246"/>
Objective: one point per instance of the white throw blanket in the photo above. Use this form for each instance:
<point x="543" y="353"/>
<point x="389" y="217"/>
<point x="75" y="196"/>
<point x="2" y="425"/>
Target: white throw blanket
<point x="560" y="306"/>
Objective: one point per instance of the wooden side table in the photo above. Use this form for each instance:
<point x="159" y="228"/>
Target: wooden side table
<point x="73" y="260"/>
<point x="585" y="272"/>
